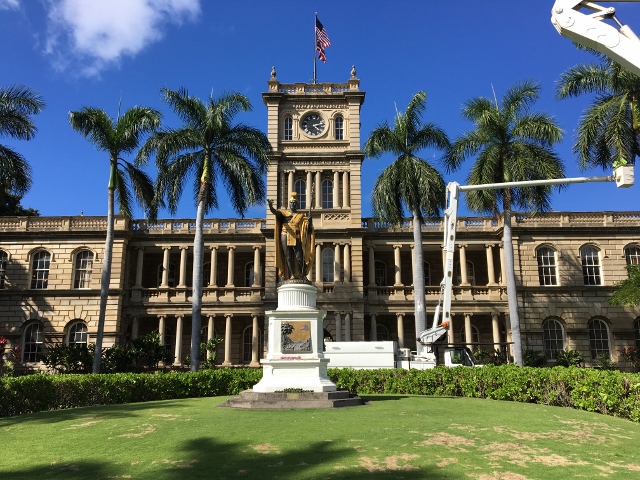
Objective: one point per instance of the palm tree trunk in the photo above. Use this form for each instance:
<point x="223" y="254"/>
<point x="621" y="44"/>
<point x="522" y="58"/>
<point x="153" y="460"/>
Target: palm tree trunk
<point x="106" y="272"/>
<point x="420" y="312"/>
<point x="512" y="294"/>
<point x="196" y="301"/>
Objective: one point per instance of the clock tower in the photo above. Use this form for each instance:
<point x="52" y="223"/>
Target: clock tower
<point x="314" y="130"/>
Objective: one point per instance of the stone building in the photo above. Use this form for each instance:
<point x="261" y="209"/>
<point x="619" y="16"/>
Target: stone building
<point x="566" y="263"/>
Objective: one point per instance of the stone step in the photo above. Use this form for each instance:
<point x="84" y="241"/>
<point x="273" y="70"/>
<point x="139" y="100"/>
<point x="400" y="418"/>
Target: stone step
<point x="281" y="400"/>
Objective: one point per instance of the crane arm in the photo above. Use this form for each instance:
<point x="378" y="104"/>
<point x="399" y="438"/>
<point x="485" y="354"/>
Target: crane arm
<point x="619" y="43"/>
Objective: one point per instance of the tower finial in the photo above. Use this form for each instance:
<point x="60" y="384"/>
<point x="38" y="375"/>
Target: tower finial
<point x="273" y="72"/>
<point x="353" y="71"/>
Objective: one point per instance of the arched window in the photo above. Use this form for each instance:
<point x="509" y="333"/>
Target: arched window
<point x="598" y="337"/>
<point x="381" y="273"/>
<point x="288" y="128"/>
<point x="547" y="271"/>
<point x="427" y="273"/>
<point x="247" y="340"/>
<point x="327" y="193"/>
<point x="77" y="334"/>
<point x="632" y="254"/>
<point x="32" y="343"/>
<point x="40" y="269"/>
<point x="300" y="187"/>
<point x="248" y="274"/>
<point x="636" y="331"/>
<point x="83" y="268"/>
<point x="553" y="338"/>
<point x="590" y="256"/>
<point x="471" y="273"/>
<point x="475" y="335"/>
<point x="382" y="333"/>
<point x="4" y="259"/>
<point x="339" y="127"/>
<point x="171" y="278"/>
<point x="327" y="265"/>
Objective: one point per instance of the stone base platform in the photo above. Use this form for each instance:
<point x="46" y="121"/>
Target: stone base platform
<point x="283" y="401"/>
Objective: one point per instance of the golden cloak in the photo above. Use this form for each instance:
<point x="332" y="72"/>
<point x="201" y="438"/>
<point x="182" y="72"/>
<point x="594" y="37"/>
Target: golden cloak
<point x="297" y="227"/>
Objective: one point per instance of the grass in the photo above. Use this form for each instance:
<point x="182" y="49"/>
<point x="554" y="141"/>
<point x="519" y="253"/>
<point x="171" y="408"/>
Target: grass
<point x="407" y="437"/>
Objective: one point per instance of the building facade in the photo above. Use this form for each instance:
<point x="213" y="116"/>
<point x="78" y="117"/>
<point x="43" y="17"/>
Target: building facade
<point x="566" y="263"/>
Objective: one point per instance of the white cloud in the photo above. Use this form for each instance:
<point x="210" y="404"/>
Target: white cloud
<point x="9" y="5"/>
<point x="93" y="35"/>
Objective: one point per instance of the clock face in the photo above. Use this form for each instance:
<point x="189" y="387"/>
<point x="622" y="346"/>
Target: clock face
<point x="313" y="124"/>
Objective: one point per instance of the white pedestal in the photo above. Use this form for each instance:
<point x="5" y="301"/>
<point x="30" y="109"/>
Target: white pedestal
<point x="295" y="359"/>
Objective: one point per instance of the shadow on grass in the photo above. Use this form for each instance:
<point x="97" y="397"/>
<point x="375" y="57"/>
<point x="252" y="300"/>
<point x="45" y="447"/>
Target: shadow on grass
<point x="107" y="411"/>
<point x="206" y="458"/>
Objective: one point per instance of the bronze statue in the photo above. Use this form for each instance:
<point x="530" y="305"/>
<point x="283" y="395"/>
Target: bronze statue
<point x="294" y="241"/>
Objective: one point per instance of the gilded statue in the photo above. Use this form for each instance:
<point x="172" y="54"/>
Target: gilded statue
<point x="294" y="240"/>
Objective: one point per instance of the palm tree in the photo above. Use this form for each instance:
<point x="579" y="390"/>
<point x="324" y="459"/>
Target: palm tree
<point x="511" y="144"/>
<point x="409" y="182"/>
<point x="206" y="148"/>
<point x="17" y="105"/>
<point x="117" y="138"/>
<point x="608" y="130"/>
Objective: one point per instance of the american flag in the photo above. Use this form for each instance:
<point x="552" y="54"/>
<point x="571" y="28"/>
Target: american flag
<point x="322" y="40"/>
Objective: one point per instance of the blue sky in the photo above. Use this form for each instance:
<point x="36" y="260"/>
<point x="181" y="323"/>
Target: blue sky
<point x="91" y="52"/>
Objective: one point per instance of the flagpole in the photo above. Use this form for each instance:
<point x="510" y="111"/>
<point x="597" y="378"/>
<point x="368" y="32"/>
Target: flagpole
<point x="315" y="42"/>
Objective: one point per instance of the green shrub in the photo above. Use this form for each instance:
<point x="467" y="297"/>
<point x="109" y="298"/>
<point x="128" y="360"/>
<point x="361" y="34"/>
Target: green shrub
<point x="533" y="358"/>
<point x="569" y="358"/>
<point x="609" y="392"/>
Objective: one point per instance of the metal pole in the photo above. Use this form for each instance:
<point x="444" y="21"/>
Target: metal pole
<point x="315" y="44"/>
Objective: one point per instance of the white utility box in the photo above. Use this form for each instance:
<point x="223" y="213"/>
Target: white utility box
<point x="361" y="355"/>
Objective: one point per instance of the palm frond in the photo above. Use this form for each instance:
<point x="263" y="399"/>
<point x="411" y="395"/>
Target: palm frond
<point x="17" y="105"/>
<point x="94" y="124"/>
<point x="15" y="172"/>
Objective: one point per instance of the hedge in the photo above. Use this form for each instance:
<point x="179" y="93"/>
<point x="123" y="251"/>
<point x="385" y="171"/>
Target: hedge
<point x="609" y="392"/>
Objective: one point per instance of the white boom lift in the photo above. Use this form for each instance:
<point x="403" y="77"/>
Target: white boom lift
<point x="622" y="46"/>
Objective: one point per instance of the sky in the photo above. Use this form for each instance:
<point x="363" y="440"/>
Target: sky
<point x="97" y="53"/>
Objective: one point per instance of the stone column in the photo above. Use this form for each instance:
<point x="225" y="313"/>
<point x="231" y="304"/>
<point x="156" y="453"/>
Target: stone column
<point x="400" y="320"/>
<point x="336" y="189"/>
<point x="450" y="334"/>
<point x="134" y="327"/>
<point x="347" y="263"/>
<point x="490" y="267"/>
<point x="374" y="328"/>
<point x="463" y="265"/>
<point x="345" y="189"/>
<point x="308" y="190"/>
<point x="503" y="272"/>
<point x="282" y="190"/>
<point x="372" y="266"/>
<point x="178" y="350"/>
<point x="257" y="267"/>
<point x="210" y="333"/>
<point x="214" y="266"/>
<point x="318" y="189"/>
<point x="468" y="338"/>
<point x="255" y="343"/>
<point x="139" y="266"/>
<point x="347" y="327"/>
<point x="289" y="186"/>
<point x="227" y="341"/>
<point x="230" y="266"/>
<point x="338" y="327"/>
<point x="495" y="326"/>
<point x="397" y="265"/>
<point x="161" y="328"/>
<point x="318" y="263"/>
<point x="165" y="267"/>
<point x="336" y="263"/>
<point x="183" y="267"/>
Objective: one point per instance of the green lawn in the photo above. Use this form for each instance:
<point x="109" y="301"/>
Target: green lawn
<point x="393" y="437"/>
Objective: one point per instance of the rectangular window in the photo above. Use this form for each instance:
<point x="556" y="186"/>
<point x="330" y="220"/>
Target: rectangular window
<point x="547" y="266"/>
<point x="590" y="265"/>
<point x="288" y="128"/>
<point x="40" y="270"/>
<point x="339" y="125"/>
<point x="4" y="257"/>
<point x="84" y="265"/>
